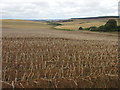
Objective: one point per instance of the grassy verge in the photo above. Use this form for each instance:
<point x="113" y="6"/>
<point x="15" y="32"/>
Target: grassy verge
<point x="63" y="29"/>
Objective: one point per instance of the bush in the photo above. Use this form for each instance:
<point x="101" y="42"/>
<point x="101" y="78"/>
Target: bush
<point x="102" y="28"/>
<point x="118" y="28"/>
<point x="86" y="28"/>
<point x="80" y="28"/>
<point x="93" y="28"/>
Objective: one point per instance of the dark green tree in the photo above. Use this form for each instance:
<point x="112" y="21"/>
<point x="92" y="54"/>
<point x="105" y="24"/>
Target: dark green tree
<point x="111" y="25"/>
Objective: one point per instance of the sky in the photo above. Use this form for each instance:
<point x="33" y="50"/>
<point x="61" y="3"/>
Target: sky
<point x="57" y="9"/>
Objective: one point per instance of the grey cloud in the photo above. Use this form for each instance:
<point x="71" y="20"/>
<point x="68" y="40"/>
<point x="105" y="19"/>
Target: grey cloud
<point x="58" y="8"/>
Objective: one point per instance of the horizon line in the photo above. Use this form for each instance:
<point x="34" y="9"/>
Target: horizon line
<point x="60" y="18"/>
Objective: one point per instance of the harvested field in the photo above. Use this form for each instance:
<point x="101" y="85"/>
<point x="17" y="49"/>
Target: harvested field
<point x="47" y="58"/>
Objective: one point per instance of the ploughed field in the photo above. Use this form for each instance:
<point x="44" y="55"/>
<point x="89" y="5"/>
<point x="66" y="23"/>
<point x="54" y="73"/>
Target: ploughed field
<point x="41" y="57"/>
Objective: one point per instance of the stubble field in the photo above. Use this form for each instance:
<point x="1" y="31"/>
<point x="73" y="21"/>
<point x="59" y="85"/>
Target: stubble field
<point x="46" y="58"/>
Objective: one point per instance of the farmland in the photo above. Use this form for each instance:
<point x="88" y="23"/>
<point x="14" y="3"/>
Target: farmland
<point x="85" y="23"/>
<point x="36" y="56"/>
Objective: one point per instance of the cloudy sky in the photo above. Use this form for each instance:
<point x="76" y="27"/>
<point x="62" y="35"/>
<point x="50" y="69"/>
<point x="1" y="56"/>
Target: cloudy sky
<point x="57" y="9"/>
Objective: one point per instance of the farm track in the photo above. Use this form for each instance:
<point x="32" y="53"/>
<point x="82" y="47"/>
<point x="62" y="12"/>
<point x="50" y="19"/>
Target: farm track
<point x="47" y="58"/>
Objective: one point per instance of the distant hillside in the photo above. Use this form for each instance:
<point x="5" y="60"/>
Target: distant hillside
<point x="72" y="19"/>
<point x="99" y="17"/>
<point x="39" y="20"/>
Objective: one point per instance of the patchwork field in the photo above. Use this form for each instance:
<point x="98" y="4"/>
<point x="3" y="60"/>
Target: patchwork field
<point x="36" y="56"/>
<point x="84" y="23"/>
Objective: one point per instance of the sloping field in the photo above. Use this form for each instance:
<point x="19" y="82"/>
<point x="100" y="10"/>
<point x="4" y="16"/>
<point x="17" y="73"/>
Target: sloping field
<point x="21" y="24"/>
<point x="41" y="57"/>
